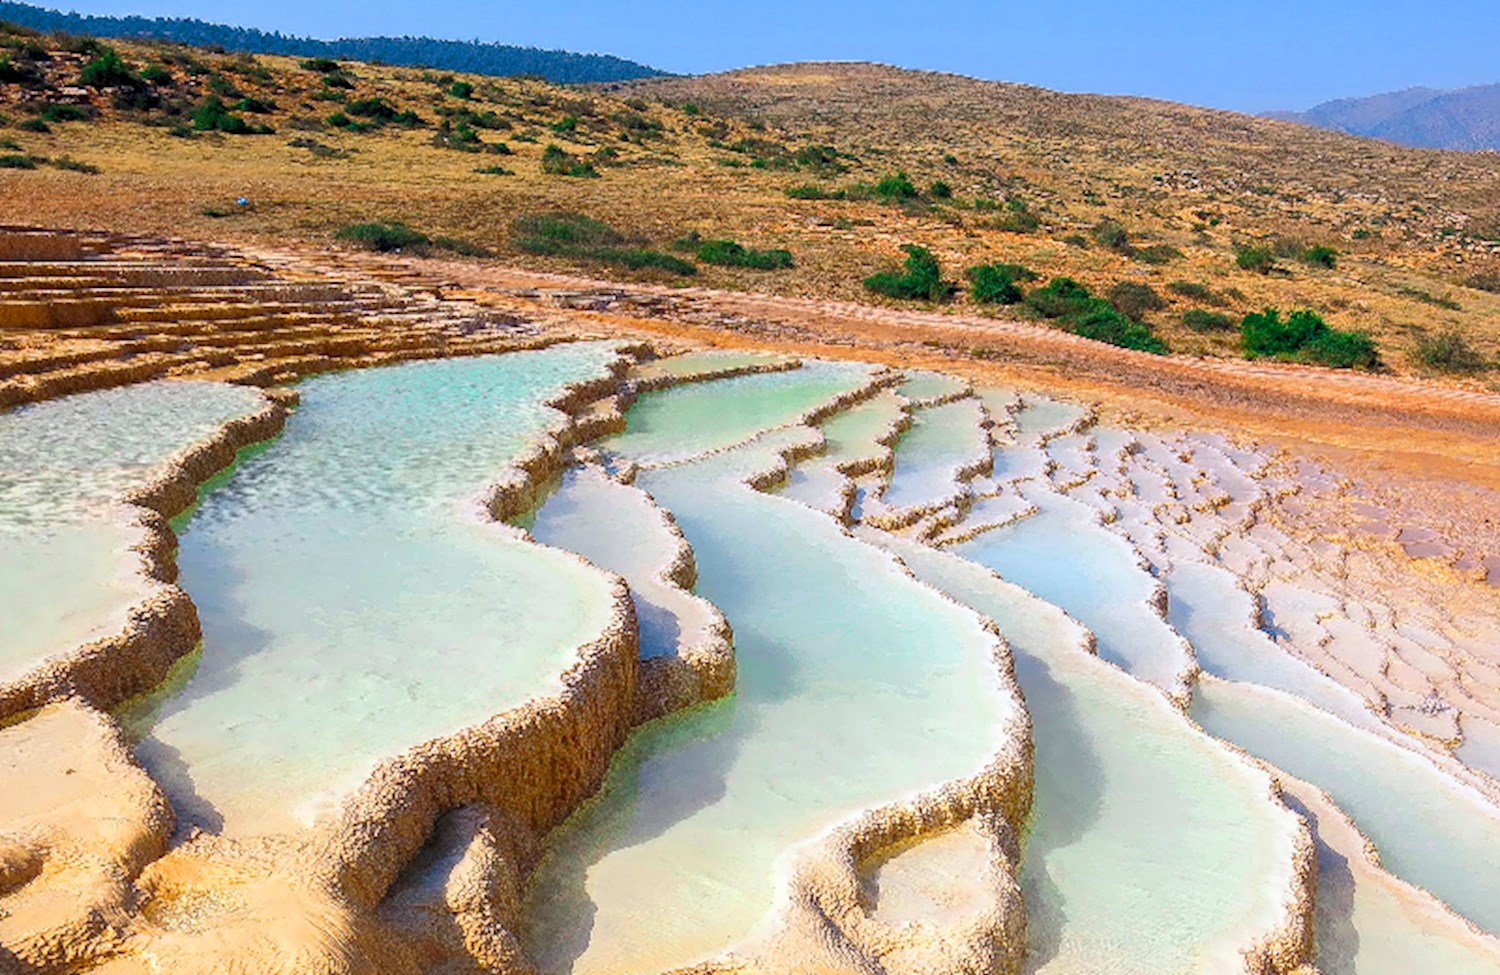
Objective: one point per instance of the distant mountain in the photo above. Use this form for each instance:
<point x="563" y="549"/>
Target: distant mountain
<point x="1467" y="118"/>
<point x="564" y="67"/>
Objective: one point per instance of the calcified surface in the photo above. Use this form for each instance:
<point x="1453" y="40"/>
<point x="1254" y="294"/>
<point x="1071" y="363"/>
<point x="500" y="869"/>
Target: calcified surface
<point x="1011" y="689"/>
<point x="354" y="600"/>
<point x="68" y="575"/>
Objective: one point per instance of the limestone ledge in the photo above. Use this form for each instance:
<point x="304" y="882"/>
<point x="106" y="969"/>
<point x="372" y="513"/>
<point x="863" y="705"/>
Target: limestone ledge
<point x="895" y="519"/>
<point x="163" y="627"/>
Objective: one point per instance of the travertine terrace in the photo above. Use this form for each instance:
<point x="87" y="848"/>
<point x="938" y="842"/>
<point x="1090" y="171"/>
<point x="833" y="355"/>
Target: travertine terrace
<point x="710" y="634"/>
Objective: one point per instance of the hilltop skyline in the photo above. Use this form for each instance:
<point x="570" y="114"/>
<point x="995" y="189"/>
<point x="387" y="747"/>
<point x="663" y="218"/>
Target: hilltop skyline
<point x="1175" y="51"/>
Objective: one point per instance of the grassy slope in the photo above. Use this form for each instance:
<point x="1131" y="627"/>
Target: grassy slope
<point x="1201" y="181"/>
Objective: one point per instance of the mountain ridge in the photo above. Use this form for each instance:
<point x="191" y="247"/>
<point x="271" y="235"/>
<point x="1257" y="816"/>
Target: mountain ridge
<point x="1463" y="119"/>
<point x="474" y="57"/>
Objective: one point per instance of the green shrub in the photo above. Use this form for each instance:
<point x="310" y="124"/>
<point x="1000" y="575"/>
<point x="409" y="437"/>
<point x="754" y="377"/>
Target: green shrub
<point x="1018" y="218"/>
<point x="212" y="116"/>
<point x="107" y="70"/>
<point x="1059" y="298"/>
<point x="920" y="278"/>
<point x="566" y="124"/>
<point x="380" y="112"/>
<point x="17" y="161"/>
<point x="1112" y="235"/>
<point x="33" y="125"/>
<point x="810" y="192"/>
<point x="997" y="284"/>
<point x="565" y="234"/>
<point x="1207" y="321"/>
<point x="1449" y="351"/>
<point x="253" y="105"/>
<point x="728" y="253"/>
<point x="461" y="90"/>
<point x="1304" y="336"/>
<point x="1252" y="258"/>
<point x="1342" y="350"/>
<point x="1081" y="313"/>
<point x="322" y="65"/>
<point x="1198" y="292"/>
<point x="1320" y="256"/>
<point x="383" y="237"/>
<point x="558" y="162"/>
<point x="1135" y="299"/>
<point x="494" y="171"/>
<point x="940" y="190"/>
<point x="63" y="113"/>
<point x="1102" y="323"/>
<point x="821" y="159"/>
<point x="73" y="165"/>
<point x="1157" y="254"/>
<point x="157" y="74"/>
<point x="895" y="188"/>
<point x="1076" y="240"/>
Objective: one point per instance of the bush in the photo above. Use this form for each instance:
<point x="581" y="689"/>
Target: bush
<point x="17" y="161"/>
<point x="1135" y="299"/>
<point x="383" y="237"/>
<point x="558" y="162"/>
<point x="33" y="125"/>
<point x="1259" y="259"/>
<point x="940" y="190"/>
<point x="213" y="116"/>
<point x="157" y="74"/>
<point x="565" y="234"/>
<point x="997" y="284"/>
<point x="107" y="70"/>
<point x="1102" y="323"/>
<point x="1207" y="321"/>
<point x="494" y="171"/>
<point x="1157" y="254"/>
<point x="727" y="253"/>
<point x="380" y="111"/>
<point x="566" y="124"/>
<point x="1198" y="292"/>
<point x="1059" y="298"/>
<point x="822" y="159"/>
<point x="921" y="278"/>
<point x="1083" y="314"/>
<point x="1111" y="234"/>
<point x="1018" y="218"/>
<point x="1305" y="337"/>
<point x="1076" y="240"/>
<point x="322" y="65"/>
<point x="810" y="192"/>
<point x="73" y="165"/>
<point x="895" y="188"/>
<point x="63" y="113"/>
<point x="1449" y="351"/>
<point x="1320" y="256"/>
<point x="461" y="90"/>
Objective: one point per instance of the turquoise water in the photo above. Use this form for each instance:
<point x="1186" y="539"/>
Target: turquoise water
<point x="849" y="436"/>
<point x="1061" y="555"/>
<point x="1429" y="830"/>
<point x="618" y="528"/>
<point x="685" y="421"/>
<point x="1152" y="850"/>
<point x="706" y="363"/>
<point x="355" y="602"/>
<point x="942" y="439"/>
<point x="67" y="575"/>
<point x="920" y="384"/>
<point x="856" y="686"/>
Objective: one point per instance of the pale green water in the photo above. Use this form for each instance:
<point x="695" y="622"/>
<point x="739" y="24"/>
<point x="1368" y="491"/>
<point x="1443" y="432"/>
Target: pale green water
<point x="67" y="576"/>
<point x="850" y="435"/>
<point x="856" y="686"/>
<point x="942" y="439"/>
<point x="685" y="421"/>
<point x="1429" y="830"/>
<point x="922" y="385"/>
<point x="1041" y="416"/>
<point x="1061" y="555"/>
<point x="708" y="362"/>
<point x="617" y="528"/>
<point x="1152" y="850"/>
<point x="355" y="602"/>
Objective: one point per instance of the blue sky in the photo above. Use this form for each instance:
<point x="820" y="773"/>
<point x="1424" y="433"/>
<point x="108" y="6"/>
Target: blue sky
<point x="1238" y="55"/>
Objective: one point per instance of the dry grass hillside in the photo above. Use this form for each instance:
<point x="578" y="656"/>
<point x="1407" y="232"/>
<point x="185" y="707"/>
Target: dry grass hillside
<point x="1104" y="190"/>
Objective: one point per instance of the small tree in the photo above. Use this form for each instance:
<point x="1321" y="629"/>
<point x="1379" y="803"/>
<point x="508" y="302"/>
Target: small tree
<point x="895" y="188"/>
<point x="1135" y="299"/>
<point x="921" y="278"/>
<point x="107" y="70"/>
<point x="1258" y="259"/>
<point x="1449" y="351"/>
<point x="998" y="284"/>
